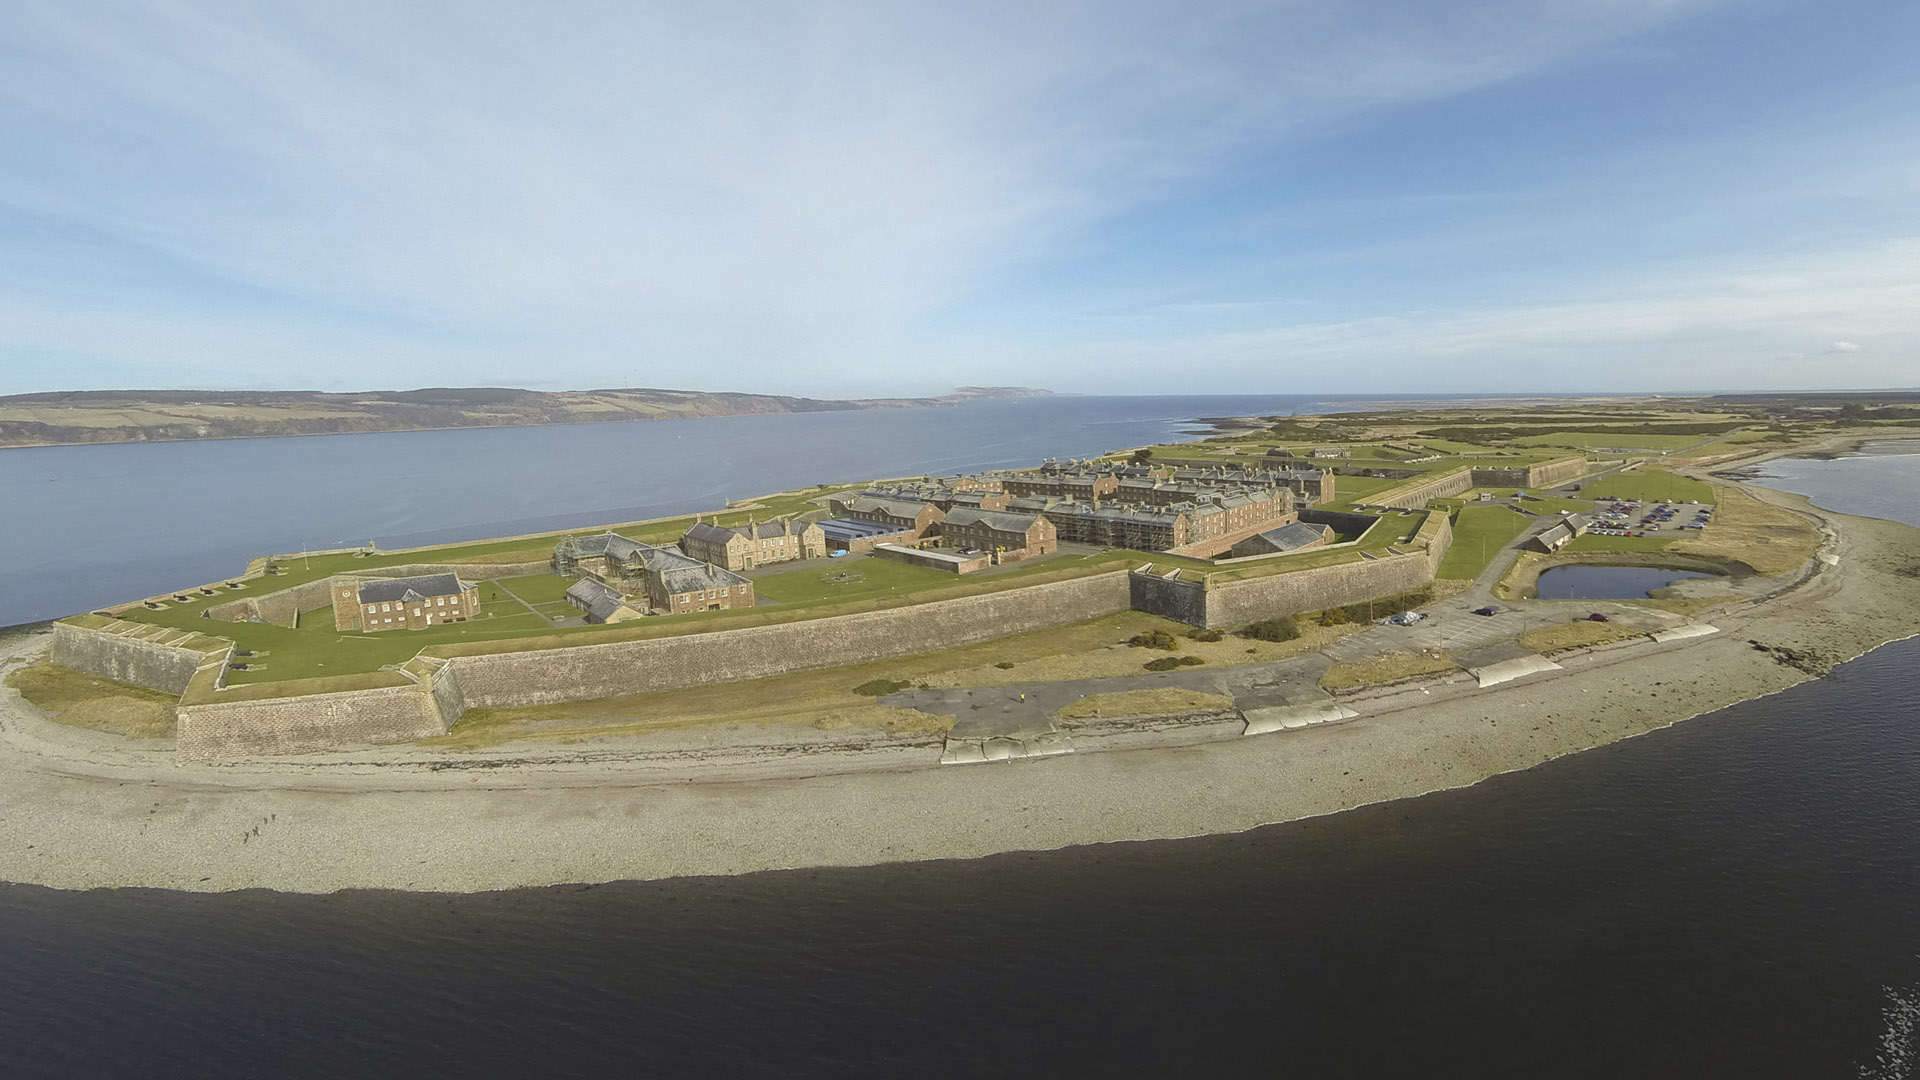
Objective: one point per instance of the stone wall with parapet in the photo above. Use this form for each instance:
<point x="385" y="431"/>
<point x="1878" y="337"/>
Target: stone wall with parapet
<point x="305" y="725"/>
<point x="1414" y="496"/>
<point x="281" y="607"/>
<point x="1541" y="474"/>
<point x="124" y="659"/>
<point x="1236" y="603"/>
<point x="585" y="672"/>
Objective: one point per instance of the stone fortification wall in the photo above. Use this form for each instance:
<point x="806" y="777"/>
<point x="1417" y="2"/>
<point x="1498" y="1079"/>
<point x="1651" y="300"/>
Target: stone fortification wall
<point x="1236" y="603"/>
<point x="304" y="725"/>
<point x="1341" y="520"/>
<point x="1542" y="474"/>
<point x="123" y="659"/>
<point x="1181" y="601"/>
<point x="274" y="607"/>
<point x="632" y="667"/>
<point x="281" y="607"/>
<point x="1414" y="496"/>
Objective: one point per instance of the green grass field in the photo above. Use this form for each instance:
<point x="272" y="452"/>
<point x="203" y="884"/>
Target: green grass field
<point x="539" y="589"/>
<point x="1479" y="532"/>
<point x="877" y="577"/>
<point x="1626" y="440"/>
<point x="1655" y="484"/>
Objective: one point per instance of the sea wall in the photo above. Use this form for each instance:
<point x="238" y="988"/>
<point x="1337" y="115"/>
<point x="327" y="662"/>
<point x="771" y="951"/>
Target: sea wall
<point x="304" y="725"/>
<point x="632" y="667"/>
<point x="124" y="659"/>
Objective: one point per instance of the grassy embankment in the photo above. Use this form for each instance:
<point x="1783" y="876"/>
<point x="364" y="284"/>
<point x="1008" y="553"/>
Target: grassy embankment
<point x="1479" y="532"/>
<point x="80" y="700"/>
<point x="1384" y="669"/>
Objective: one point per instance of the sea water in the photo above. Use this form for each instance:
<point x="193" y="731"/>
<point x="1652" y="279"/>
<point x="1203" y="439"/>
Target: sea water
<point x="1737" y="896"/>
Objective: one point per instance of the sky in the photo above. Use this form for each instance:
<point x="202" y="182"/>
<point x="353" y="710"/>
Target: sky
<point x="859" y="199"/>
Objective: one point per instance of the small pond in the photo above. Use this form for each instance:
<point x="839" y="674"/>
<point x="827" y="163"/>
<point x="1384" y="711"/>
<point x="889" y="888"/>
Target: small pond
<point x="1607" y="582"/>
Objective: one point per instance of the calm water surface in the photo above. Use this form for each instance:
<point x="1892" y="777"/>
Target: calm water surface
<point x="84" y="526"/>
<point x="1738" y="896"/>
<point x="1607" y="582"/>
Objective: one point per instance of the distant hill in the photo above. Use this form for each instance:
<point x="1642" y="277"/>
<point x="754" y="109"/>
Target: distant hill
<point x="116" y="416"/>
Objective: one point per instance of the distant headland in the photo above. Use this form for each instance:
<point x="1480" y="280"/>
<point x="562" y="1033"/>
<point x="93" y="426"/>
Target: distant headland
<point x="70" y="417"/>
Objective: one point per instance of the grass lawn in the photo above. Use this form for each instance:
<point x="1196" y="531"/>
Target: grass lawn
<point x="84" y="701"/>
<point x="1479" y="532"/>
<point x="1626" y="439"/>
<point x="875" y="577"/>
<point x="539" y="589"/>
<point x="1576" y="634"/>
<point x="1384" y="669"/>
<point x="316" y="649"/>
<point x="1653" y="484"/>
<point x="1350" y="489"/>
<point x="1765" y="537"/>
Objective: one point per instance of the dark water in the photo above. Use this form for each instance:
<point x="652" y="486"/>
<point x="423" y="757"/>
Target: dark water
<point x="1607" y="582"/>
<point x="84" y="526"/>
<point x="1738" y="896"/>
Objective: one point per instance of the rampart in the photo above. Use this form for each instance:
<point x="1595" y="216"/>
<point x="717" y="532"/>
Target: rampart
<point x="281" y="607"/>
<point x="1541" y="474"/>
<point x="304" y="725"/>
<point x="1235" y="603"/>
<point x="633" y="667"/>
<point x="1415" y="495"/>
<point x="124" y="659"/>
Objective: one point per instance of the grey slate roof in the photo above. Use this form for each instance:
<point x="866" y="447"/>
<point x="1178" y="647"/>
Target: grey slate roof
<point x="992" y="519"/>
<point x="899" y="508"/>
<point x="683" y="574"/>
<point x="1296" y="535"/>
<point x="607" y="543"/>
<point x="712" y="534"/>
<point x="406" y="588"/>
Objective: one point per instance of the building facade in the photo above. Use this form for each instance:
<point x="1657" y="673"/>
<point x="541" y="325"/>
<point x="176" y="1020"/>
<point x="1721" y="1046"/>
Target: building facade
<point x="1009" y="536"/>
<point x="743" y="547"/>
<point x="409" y="603"/>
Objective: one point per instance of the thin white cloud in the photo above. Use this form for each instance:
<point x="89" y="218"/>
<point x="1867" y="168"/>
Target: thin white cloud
<point x="1708" y="327"/>
<point x="751" y="194"/>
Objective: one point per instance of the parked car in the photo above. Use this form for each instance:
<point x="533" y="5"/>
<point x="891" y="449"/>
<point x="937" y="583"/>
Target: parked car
<point x="836" y="554"/>
<point x="1598" y="617"/>
<point x="1488" y="610"/>
<point x="1405" y="618"/>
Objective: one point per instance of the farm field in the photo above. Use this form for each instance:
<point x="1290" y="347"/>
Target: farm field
<point x="1627" y="440"/>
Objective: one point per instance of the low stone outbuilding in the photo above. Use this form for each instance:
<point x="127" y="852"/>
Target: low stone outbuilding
<point x="1559" y="535"/>
<point x="600" y="603"/>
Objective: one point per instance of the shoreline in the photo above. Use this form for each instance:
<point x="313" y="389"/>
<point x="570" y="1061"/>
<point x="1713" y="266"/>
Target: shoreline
<point x="93" y="811"/>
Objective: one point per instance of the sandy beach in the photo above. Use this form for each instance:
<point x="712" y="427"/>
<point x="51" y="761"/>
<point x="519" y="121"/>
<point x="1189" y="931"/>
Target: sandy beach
<point x="87" y="810"/>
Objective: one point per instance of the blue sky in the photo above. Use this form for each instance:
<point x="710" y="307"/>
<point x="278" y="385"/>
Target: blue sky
<point x="839" y="198"/>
